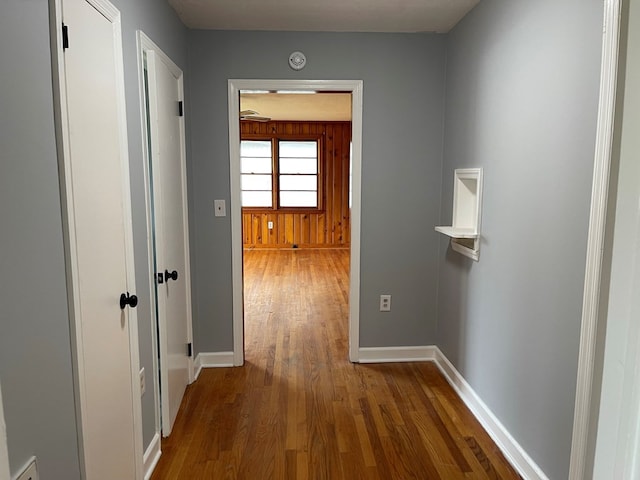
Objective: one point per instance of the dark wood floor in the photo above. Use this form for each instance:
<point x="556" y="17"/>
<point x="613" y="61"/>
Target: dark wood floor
<point x="299" y="410"/>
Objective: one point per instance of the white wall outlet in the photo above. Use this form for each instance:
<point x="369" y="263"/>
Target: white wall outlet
<point x="270" y="225"/>
<point x="220" y="208"/>
<point x="385" y="303"/>
<point x="30" y="471"/>
<point x="143" y="382"/>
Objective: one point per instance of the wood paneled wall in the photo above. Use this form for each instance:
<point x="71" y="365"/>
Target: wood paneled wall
<point x="328" y="227"/>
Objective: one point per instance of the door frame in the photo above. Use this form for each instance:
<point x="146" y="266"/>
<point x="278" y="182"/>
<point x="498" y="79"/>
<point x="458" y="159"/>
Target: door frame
<point x="4" y="452"/>
<point x="144" y="45"/>
<point x="112" y="14"/>
<point x="585" y="413"/>
<point x="355" y="88"/>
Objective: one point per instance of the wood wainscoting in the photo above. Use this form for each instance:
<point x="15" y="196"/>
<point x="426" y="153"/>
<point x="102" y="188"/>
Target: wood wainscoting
<point x="329" y="226"/>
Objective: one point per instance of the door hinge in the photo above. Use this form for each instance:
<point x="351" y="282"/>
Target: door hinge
<point x="180" y="109"/>
<point x="65" y="37"/>
<point x="189" y="350"/>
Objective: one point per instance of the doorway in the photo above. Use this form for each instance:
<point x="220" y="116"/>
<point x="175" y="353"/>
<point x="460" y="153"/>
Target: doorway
<point x="355" y="89"/>
<point x="295" y="151"/>
<point x="167" y="229"/>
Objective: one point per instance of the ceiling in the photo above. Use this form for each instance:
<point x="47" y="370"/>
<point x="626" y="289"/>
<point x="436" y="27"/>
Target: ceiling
<point x="299" y="107"/>
<point x="324" y="15"/>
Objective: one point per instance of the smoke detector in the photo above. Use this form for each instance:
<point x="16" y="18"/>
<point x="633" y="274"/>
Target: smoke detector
<point x="297" y="60"/>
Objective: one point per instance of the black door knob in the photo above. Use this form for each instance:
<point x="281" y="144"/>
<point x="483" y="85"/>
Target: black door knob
<point x="127" y="299"/>
<point x="170" y="275"/>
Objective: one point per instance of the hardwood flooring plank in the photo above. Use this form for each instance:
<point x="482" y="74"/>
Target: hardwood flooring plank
<point x="298" y="409"/>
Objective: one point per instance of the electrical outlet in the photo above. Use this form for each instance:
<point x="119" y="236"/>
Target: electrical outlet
<point x="385" y="303"/>
<point x="220" y="208"/>
<point x="270" y="225"/>
<point x="30" y="471"/>
<point x="143" y="382"/>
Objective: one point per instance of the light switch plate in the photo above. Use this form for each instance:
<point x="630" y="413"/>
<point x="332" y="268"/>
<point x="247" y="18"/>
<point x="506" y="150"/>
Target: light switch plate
<point x="220" y="208"/>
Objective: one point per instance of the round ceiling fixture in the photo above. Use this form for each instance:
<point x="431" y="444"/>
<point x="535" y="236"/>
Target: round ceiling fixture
<point x="297" y="60"/>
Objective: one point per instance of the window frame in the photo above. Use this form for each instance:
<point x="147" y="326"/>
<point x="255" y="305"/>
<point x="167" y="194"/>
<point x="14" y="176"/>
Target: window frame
<point x="274" y="138"/>
<point x="272" y="174"/>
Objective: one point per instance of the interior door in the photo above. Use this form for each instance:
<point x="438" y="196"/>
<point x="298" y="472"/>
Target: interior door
<point x="99" y="240"/>
<point x="168" y="172"/>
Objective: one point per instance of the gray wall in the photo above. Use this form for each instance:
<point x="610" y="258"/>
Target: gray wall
<point x="403" y="79"/>
<point x="35" y="352"/>
<point x="522" y="92"/>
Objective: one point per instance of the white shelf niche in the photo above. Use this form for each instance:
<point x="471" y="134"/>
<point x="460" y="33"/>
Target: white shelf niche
<point x="467" y="208"/>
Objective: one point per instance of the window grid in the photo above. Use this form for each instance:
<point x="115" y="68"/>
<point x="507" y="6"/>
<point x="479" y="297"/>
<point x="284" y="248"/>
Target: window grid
<point x="256" y="170"/>
<point x="298" y="185"/>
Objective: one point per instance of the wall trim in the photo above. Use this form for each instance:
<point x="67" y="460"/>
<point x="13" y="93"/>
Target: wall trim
<point x="151" y="456"/>
<point x="4" y="451"/>
<point x="213" y="360"/>
<point x="396" y="354"/>
<point x="595" y="241"/>
<point x="511" y="449"/>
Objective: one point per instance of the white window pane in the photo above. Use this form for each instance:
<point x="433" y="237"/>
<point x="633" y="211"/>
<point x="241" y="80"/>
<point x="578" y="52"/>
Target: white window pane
<point x="256" y="199"/>
<point x="298" y="149"/>
<point x="298" y="199"/>
<point x="255" y="148"/>
<point x="255" y="165"/>
<point x="298" y="182"/>
<point x="298" y="165"/>
<point x="256" y="182"/>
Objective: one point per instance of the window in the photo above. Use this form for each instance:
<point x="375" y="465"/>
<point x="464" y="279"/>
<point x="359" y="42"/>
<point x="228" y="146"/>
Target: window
<point x="256" y="173"/>
<point x="298" y="173"/>
<point x="280" y="173"/>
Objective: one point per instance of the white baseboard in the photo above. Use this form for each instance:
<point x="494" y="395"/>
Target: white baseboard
<point x="511" y="449"/>
<point x="151" y="456"/>
<point x="213" y="360"/>
<point x="396" y="354"/>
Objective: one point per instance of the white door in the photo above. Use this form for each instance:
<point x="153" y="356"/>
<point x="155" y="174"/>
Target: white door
<point x="168" y="173"/>
<point x="99" y="240"/>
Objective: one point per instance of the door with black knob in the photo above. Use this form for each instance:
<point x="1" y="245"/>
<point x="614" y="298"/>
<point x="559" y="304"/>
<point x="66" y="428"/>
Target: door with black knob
<point x="171" y="246"/>
<point x="98" y="238"/>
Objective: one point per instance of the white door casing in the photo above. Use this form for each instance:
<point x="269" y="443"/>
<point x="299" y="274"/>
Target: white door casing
<point x="169" y="221"/>
<point x="583" y="412"/>
<point x="617" y="449"/>
<point x="234" y="88"/>
<point x="94" y="170"/>
<point x="4" y="453"/>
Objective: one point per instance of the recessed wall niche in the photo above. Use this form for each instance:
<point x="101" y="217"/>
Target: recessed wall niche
<point x="464" y="231"/>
